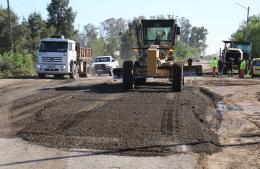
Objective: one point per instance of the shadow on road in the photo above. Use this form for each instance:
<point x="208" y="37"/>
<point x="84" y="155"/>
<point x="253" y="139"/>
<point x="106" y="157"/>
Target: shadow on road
<point x="103" y="88"/>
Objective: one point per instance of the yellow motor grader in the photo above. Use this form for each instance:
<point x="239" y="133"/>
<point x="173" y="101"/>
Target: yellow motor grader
<point x="155" y="46"/>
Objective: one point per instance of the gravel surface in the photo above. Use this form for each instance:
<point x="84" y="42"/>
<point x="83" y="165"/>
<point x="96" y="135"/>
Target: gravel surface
<point x="147" y="121"/>
<point x="95" y="123"/>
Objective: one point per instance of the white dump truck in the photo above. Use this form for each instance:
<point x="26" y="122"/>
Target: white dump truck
<point x="59" y="56"/>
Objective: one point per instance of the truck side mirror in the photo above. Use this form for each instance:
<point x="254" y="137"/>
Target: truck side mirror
<point x="113" y="60"/>
<point x="178" y="30"/>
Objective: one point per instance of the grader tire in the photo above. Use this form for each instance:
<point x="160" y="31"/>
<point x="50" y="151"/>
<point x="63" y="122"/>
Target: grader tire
<point x="128" y="79"/>
<point x="176" y="77"/>
<point x="140" y="81"/>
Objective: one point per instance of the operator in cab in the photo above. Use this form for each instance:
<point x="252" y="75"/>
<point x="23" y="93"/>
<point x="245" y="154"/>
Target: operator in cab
<point x="159" y="37"/>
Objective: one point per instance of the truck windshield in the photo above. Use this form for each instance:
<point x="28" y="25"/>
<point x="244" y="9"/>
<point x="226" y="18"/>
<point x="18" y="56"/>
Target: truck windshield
<point x="54" y="47"/>
<point x="257" y="63"/>
<point x="244" y="48"/>
<point x="159" y="33"/>
<point x="102" y="59"/>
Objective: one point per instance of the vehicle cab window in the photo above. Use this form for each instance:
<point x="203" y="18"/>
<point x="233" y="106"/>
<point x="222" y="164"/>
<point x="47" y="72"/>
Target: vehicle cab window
<point x="70" y="47"/>
<point x="103" y="59"/>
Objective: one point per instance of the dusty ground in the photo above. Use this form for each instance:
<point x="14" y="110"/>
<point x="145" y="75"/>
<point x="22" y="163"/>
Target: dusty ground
<point x="239" y="132"/>
<point x="95" y="123"/>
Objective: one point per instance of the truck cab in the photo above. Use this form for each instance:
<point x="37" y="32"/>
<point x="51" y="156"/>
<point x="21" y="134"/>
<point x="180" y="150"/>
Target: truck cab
<point x="56" y="56"/>
<point x="236" y="51"/>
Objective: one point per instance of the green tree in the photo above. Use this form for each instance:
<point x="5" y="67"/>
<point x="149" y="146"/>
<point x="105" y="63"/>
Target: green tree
<point x="99" y="47"/>
<point x="253" y="34"/>
<point x="129" y="39"/>
<point x="183" y="51"/>
<point x="91" y="38"/>
<point x="5" y="43"/>
<point x="18" y="63"/>
<point x="22" y="37"/>
<point x="198" y="38"/>
<point x="61" y="17"/>
<point x="35" y="24"/>
<point x="112" y="29"/>
<point x="90" y="34"/>
<point x="185" y="30"/>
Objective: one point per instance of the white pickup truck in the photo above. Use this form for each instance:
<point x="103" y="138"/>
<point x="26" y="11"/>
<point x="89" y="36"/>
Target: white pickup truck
<point x="104" y="65"/>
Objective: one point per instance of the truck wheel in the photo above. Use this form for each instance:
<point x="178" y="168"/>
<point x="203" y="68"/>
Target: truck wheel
<point x="73" y="75"/>
<point x="140" y="81"/>
<point x="110" y="73"/>
<point x="128" y="80"/>
<point x="41" y="76"/>
<point x="176" y="77"/>
<point x="87" y="70"/>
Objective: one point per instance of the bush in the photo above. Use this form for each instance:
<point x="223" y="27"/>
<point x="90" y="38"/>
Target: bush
<point x="16" y="64"/>
<point x="183" y="51"/>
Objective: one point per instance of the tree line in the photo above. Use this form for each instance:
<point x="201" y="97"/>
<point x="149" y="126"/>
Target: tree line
<point x="253" y="34"/>
<point x="114" y="36"/>
<point x="118" y="34"/>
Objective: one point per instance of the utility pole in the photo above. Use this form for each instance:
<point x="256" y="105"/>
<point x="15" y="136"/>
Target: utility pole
<point x="247" y="19"/>
<point x="247" y="22"/>
<point x="10" y="26"/>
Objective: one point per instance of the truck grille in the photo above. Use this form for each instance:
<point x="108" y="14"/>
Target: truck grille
<point x="100" y="66"/>
<point x="52" y="59"/>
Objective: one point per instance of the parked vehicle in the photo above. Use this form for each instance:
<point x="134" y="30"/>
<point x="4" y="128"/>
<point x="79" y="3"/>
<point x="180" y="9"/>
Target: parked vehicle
<point x="255" y="69"/>
<point x="104" y="65"/>
<point x="59" y="56"/>
<point x="236" y="51"/>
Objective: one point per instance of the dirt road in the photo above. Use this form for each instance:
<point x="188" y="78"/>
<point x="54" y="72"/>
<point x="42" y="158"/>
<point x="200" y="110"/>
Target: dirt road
<point x="96" y="123"/>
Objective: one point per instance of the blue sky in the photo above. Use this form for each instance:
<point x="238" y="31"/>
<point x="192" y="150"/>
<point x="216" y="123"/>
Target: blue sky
<point x="220" y="17"/>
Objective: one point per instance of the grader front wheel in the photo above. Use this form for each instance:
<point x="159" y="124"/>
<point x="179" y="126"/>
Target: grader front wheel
<point x="177" y="77"/>
<point x="128" y="79"/>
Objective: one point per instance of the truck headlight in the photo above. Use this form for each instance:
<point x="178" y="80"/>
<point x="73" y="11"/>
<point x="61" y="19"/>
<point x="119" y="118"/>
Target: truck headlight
<point x="38" y="66"/>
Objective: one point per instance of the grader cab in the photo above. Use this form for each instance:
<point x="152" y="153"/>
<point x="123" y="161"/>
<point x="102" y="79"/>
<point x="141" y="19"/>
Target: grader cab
<point x="155" y="46"/>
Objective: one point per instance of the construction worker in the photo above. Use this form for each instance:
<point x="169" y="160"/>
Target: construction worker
<point x="229" y="67"/>
<point x="242" y="68"/>
<point x="214" y="64"/>
<point x="160" y="37"/>
<point x="220" y="67"/>
<point x="190" y="61"/>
